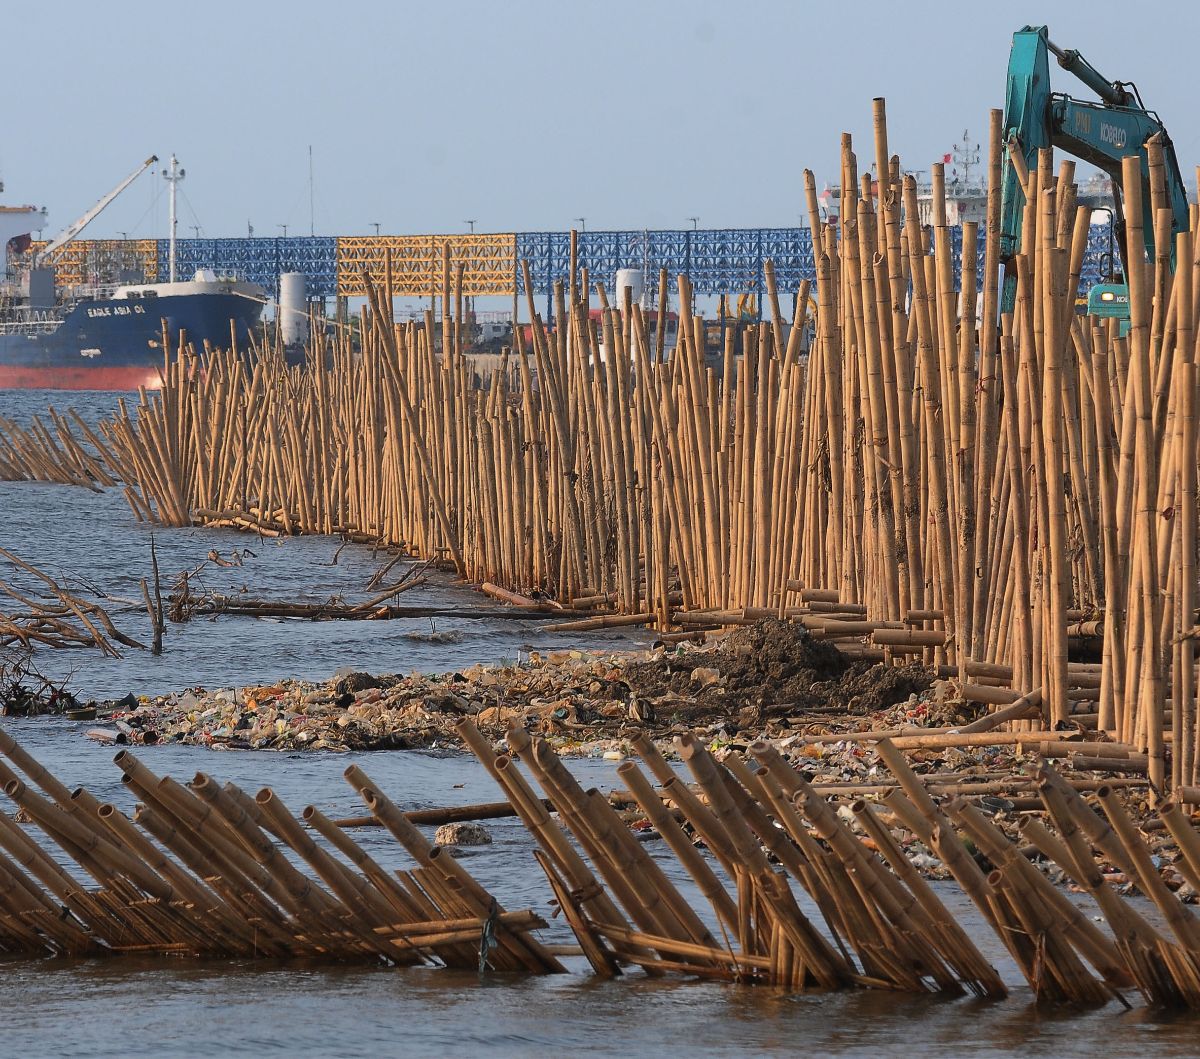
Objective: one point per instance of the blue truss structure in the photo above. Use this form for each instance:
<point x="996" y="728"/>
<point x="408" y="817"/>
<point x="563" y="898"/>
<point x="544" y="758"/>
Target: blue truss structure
<point x="1099" y="259"/>
<point x="260" y="260"/>
<point x="727" y="260"/>
<point x="717" y="260"/>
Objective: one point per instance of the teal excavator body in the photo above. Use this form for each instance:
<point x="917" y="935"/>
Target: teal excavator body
<point x="1100" y="133"/>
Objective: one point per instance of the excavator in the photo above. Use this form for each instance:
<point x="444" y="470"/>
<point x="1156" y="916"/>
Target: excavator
<point x="1101" y="133"/>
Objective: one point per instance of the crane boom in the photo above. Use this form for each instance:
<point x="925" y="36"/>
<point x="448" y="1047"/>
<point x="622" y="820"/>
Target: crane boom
<point x="1100" y="133"/>
<point x="51" y="249"/>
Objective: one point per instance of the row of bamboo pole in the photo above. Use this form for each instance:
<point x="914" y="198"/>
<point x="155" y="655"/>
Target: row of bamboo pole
<point x="795" y="893"/>
<point x="868" y="917"/>
<point x="207" y="870"/>
<point x="931" y="476"/>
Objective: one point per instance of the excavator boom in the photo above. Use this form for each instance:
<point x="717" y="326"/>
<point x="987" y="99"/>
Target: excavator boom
<point x="1101" y="133"/>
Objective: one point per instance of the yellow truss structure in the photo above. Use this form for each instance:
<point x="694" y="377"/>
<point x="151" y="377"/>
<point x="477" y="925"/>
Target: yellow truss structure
<point x="489" y="262"/>
<point x="78" y="263"/>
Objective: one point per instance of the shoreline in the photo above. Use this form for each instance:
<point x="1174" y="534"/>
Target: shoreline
<point x="770" y="683"/>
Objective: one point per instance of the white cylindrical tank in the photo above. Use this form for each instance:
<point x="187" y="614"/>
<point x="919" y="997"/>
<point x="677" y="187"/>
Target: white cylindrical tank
<point x="292" y="309"/>
<point x="629" y="277"/>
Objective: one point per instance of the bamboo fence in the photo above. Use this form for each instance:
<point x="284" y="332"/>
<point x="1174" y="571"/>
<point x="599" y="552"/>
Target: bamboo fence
<point x="869" y="918"/>
<point x="207" y="870"/>
<point x="792" y="891"/>
<point x="931" y="477"/>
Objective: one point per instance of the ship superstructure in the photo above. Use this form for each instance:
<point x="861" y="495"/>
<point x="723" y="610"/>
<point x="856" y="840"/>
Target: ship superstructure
<point x="967" y="193"/>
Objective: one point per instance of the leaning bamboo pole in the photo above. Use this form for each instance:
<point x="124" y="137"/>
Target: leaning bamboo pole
<point x="204" y="870"/>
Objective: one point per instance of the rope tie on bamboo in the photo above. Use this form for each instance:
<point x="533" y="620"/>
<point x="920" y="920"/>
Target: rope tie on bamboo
<point x="487" y="937"/>
<point x="587" y="893"/>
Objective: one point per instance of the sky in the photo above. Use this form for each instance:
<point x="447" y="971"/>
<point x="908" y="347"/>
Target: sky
<point x="519" y="115"/>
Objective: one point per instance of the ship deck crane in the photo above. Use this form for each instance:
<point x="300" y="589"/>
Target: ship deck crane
<point x="1099" y="133"/>
<point x="52" y="249"/>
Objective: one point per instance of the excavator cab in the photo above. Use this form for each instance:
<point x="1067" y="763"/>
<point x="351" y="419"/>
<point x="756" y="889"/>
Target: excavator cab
<point x="1110" y="301"/>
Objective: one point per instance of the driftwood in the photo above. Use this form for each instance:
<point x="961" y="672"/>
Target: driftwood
<point x="334" y="610"/>
<point x="185" y="603"/>
<point x="447" y="814"/>
<point x="73" y="622"/>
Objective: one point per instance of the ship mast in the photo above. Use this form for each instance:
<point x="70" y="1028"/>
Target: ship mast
<point x="173" y="176"/>
<point x="966" y="156"/>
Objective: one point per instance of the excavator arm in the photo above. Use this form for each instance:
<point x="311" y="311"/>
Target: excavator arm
<point x="1099" y="133"/>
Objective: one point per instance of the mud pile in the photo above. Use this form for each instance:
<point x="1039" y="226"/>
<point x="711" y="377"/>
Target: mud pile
<point x="771" y="675"/>
<point x="775" y="667"/>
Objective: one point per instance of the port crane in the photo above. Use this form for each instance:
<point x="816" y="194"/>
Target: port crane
<point x="1100" y="133"/>
<point x="52" y="249"/>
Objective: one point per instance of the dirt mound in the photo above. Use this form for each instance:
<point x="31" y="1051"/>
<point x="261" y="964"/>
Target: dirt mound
<point x="778" y="661"/>
<point x="775" y="667"/>
<point x="866" y="688"/>
<point x="349" y="683"/>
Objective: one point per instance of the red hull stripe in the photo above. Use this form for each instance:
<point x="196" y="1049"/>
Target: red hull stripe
<point x="126" y="377"/>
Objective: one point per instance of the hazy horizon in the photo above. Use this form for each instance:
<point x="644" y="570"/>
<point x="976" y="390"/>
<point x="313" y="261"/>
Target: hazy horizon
<point x="524" y="116"/>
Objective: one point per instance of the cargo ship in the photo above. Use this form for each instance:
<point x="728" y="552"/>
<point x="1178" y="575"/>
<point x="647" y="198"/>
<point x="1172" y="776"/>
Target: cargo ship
<point x="107" y="334"/>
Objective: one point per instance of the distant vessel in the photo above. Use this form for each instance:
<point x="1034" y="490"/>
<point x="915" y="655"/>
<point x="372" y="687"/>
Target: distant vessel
<point x="107" y="334"/>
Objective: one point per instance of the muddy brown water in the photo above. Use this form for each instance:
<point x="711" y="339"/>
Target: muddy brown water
<point x="173" y="1008"/>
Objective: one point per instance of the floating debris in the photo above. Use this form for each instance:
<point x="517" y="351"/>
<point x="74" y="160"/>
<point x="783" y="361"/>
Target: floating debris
<point x="24" y="692"/>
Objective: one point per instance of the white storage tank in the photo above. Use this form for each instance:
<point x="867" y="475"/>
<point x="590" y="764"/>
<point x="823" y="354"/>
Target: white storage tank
<point x="629" y="277"/>
<point x="293" y="308"/>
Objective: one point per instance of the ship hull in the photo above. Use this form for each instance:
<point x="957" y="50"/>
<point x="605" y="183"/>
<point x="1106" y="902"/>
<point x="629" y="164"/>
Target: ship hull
<point x="114" y="378"/>
<point x="118" y="344"/>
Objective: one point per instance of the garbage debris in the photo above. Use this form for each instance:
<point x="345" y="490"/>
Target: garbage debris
<point x="770" y="678"/>
<point x="24" y="692"/>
